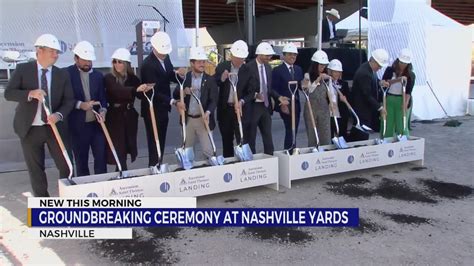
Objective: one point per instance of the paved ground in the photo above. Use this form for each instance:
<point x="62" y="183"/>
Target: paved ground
<point x="409" y="215"/>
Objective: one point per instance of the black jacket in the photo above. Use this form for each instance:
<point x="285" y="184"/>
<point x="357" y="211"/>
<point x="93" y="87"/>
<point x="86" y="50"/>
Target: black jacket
<point x="364" y="94"/>
<point x="152" y="72"/>
<point x="209" y="94"/>
<point x="24" y="79"/>
<point x="325" y="30"/>
<point x="225" y="88"/>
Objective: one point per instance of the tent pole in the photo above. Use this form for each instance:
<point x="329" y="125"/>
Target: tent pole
<point x="360" y="33"/>
<point x="320" y="23"/>
<point x="197" y="22"/>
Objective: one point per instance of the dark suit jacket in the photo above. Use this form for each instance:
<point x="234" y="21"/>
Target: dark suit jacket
<point x="209" y="95"/>
<point x="77" y="117"/>
<point x="152" y="71"/>
<point x="364" y="89"/>
<point x="24" y="79"/>
<point x="325" y="30"/>
<point x="225" y="88"/>
<point x="280" y="78"/>
<point x="249" y="85"/>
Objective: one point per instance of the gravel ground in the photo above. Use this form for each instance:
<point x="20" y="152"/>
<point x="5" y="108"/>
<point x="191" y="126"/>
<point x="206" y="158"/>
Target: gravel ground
<point x="409" y="215"/>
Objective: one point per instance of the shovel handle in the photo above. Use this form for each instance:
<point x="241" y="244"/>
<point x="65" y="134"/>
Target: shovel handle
<point x="60" y="142"/>
<point x="311" y="116"/>
<point x="109" y="141"/>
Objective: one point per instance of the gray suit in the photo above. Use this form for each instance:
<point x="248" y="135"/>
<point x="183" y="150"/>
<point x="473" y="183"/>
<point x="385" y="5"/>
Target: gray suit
<point x="33" y="138"/>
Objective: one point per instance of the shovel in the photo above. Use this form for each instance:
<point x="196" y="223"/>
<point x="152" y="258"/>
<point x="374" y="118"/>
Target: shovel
<point x="293" y="150"/>
<point x="242" y="151"/>
<point x="54" y="128"/>
<point x="214" y="160"/>
<point x="384" y="140"/>
<point x="339" y="141"/>
<point x="184" y="155"/>
<point x="313" y="121"/>
<point x="159" y="168"/>
<point x="109" y="140"/>
<point x="404" y="137"/>
<point x="358" y="132"/>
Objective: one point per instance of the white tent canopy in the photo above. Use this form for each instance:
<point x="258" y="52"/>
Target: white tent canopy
<point x="441" y="52"/>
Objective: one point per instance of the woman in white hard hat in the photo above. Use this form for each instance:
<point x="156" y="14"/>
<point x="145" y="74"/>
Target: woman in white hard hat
<point x="318" y="96"/>
<point x="400" y="71"/>
<point x="336" y="85"/>
<point x="122" y="86"/>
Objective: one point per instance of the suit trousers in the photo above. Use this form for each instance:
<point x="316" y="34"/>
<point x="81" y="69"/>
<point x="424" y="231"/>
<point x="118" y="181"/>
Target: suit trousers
<point x="195" y="129"/>
<point x="162" y="125"/>
<point x="229" y="127"/>
<point x="33" y="151"/>
<point x="263" y="120"/>
<point x="91" y="136"/>
<point x="287" y="122"/>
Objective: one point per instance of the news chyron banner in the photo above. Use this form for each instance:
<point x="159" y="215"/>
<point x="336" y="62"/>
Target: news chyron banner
<point x="114" y="218"/>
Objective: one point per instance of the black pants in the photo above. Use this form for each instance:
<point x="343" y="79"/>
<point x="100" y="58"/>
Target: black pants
<point x="287" y="122"/>
<point x="33" y="151"/>
<point x="262" y="119"/>
<point x="229" y="127"/>
<point x="91" y="136"/>
<point x="162" y="125"/>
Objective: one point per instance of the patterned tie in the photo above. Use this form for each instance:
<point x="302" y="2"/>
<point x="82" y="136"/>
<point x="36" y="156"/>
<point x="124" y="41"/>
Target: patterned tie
<point x="44" y="87"/>
<point x="292" y="73"/>
<point x="263" y="85"/>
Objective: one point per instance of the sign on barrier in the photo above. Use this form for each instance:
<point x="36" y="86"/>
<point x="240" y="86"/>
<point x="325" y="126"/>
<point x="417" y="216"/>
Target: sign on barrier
<point x="262" y="171"/>
<point x="361" y="155"/>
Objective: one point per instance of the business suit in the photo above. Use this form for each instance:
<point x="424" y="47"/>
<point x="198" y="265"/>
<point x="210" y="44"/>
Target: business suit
<point x="326" y="32"/>
<point x="280" y="77"/>
<point x="33" y="138"/>
<point x="87" y="134"/>
<point x="152" y="71"/>
<point x="364" y="95"/>
<point x="194" y="123"/>
<point x="228" y="124"/>
<point x="256" y="114"/>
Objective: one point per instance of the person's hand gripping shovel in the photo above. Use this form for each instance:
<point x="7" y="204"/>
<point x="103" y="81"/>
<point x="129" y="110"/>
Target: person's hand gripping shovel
<point x="60" y="142"/>
<point x="185" y="156"/>
<point x="242" y="151"/>
<point x="293" y="88"/>
<point x="159" y="168"/>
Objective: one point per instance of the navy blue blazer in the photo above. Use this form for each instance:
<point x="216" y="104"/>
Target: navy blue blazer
<point x="77" y="117"/>
<point x="280" y="78"/>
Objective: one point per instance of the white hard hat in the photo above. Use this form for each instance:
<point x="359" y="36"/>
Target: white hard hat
<point x="320" y="57"/>
<point x="198" y="53"/>
<point x="239" y="49"/>
<point x="290" y="48"/>
<point x="161" y="42"/>
<point x="48" y="40"/>
<point x="84" y="50"/>
<point x="405" y="56"/>
<point x="264" y="48"/>
<point x="335" y="65"/>
<point x="122" y="54"/>
<point x="381" y="57"/>
<point x="333" y="12"/>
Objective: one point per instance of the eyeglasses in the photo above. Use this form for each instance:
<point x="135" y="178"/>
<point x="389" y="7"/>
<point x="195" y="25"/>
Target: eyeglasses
<point x="116" y="61"/>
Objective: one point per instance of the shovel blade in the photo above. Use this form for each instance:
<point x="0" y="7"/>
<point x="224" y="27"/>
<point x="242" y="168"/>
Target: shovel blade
<point x="216" y="160"/>
<point x="340" y="142"/>
<point x="402" y="137"/>
<point x="243" y="153"/>
<point x="185" y="157"/>
<point x="161" y="169"/>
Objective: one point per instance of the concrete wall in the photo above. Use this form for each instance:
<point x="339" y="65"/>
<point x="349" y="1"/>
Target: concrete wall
<point x="291" y="24"/>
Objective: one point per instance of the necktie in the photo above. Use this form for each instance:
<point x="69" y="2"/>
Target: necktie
<point x="44" y="87"/>
<point x="292" y="73"/>
<point x="263" y="85"/>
